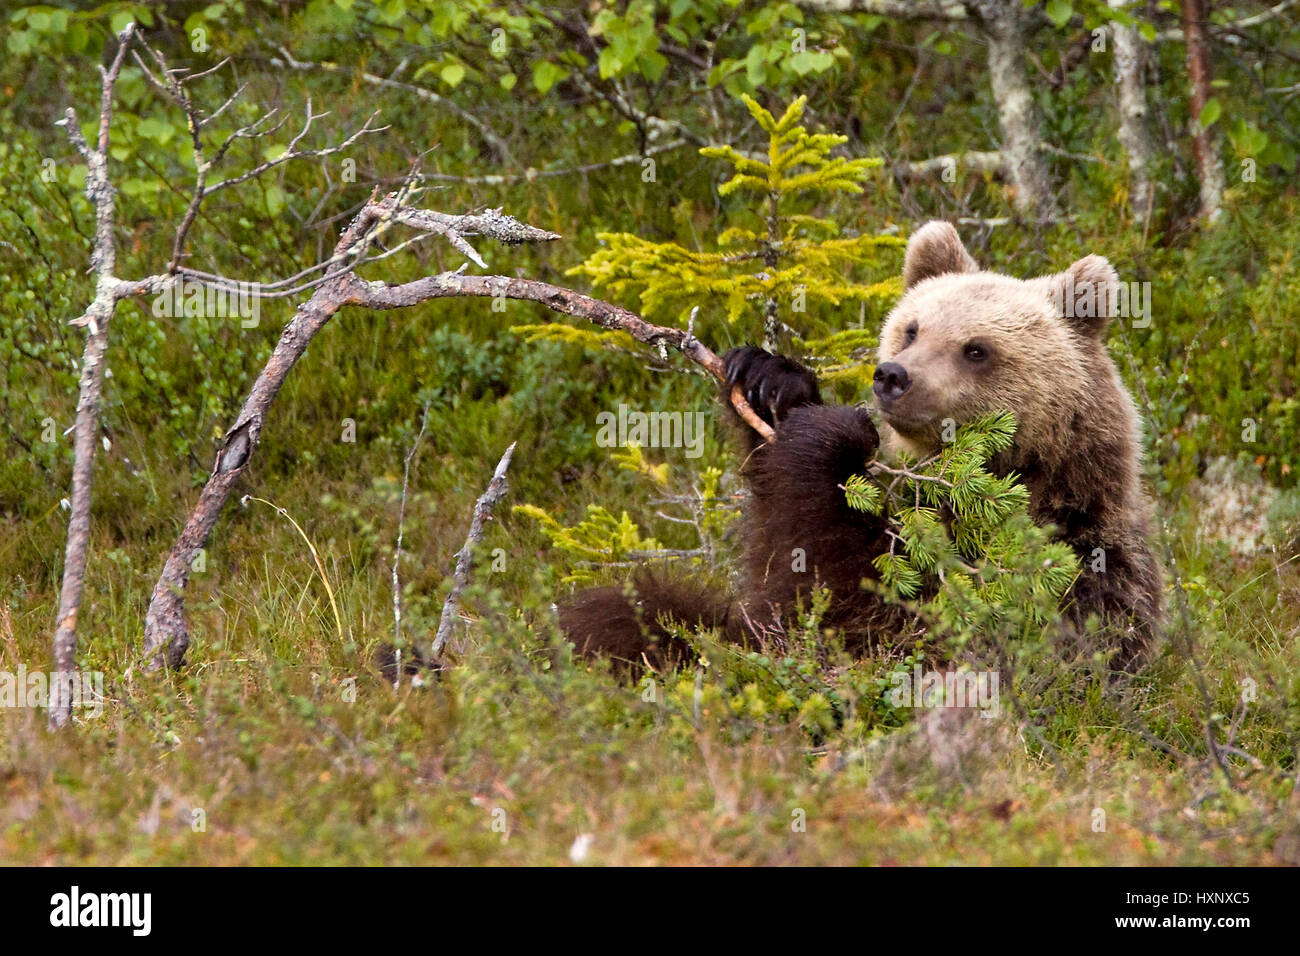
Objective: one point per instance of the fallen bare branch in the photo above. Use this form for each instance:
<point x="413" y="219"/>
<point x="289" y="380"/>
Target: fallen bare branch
<point x="166" y="634"/>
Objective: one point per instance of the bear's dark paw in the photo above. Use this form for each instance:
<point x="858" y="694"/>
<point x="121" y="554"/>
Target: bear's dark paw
<point x="772" y="384"/>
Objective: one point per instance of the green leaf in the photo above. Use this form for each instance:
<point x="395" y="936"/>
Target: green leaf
<point x="756" y="64"/>
<point x="609" y="62"/>
<point x="652" y="65"/>
<point x="161" y="131"/>
<point x="77" y="36"/>
<point x="1211" y="112"/>
<point x="1059" y="12"/>
<point x="546" y="74"/>
<point x="19" y="42"/>
<point x="275" y="200"/>
<point x="809" y="62"/>
<point x="1249" y="139"/>
<point x="452" y="74"/>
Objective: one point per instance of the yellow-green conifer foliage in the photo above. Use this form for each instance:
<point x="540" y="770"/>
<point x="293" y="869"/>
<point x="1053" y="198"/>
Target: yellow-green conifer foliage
<point x="781" y="265"/>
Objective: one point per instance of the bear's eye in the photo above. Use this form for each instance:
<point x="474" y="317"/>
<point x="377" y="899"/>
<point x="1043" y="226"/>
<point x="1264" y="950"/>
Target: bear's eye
<point x="909" y="336"/>
<point x="975" y="352"/>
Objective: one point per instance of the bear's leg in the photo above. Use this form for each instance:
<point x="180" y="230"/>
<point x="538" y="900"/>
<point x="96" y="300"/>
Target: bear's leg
<point x="627" y="623"/>
<point x="802" y="534"/>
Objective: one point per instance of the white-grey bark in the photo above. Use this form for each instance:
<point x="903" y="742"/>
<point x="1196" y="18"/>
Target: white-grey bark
<point x="483" y="508"/>
<point x="953" y="164"/>
<point x="1130" y="53"/>
<point x="103" y="262"/>
<point x="1007" y="26"/>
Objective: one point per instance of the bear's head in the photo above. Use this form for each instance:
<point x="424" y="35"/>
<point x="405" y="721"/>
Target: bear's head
<point x="963" y="343"/>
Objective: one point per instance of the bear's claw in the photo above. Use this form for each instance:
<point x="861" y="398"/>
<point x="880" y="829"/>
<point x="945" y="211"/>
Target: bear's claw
<point x="772" y="384"/>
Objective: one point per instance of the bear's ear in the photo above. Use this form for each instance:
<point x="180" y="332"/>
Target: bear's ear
<point x="1084" y="295"/>
<point x="935" y="250"/>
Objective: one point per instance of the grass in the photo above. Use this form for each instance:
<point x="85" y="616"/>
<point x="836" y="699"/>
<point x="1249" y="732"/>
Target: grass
<point x="279" y="745"/>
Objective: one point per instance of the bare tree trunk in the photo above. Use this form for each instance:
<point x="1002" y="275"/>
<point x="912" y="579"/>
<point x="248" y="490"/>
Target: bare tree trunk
<point x="103" y="262"/>
<point x="1130" y="55"/>
<point x="1007" y="27"/>
<point x="74" y="556"/>
<point x="1200" y="72"/>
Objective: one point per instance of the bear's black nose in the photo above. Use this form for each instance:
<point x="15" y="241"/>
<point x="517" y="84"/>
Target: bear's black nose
<point x="891" y="381"/>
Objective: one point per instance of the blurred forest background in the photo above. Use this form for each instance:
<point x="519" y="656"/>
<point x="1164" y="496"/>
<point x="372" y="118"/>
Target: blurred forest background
<point x="1163" y="135"/>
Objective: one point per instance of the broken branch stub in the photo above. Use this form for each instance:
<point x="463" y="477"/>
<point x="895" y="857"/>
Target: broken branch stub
<point x="483" y="508"/>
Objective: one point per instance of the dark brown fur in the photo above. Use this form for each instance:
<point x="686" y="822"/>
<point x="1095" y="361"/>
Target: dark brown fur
<point x="800" y="534"/>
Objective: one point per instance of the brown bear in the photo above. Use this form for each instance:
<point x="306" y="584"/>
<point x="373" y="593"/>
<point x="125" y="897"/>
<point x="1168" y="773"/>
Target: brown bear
<point x="961" y="343"/>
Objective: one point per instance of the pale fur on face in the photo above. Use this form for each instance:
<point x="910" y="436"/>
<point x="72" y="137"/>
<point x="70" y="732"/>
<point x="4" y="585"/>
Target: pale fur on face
<point x="1041" y="365"/>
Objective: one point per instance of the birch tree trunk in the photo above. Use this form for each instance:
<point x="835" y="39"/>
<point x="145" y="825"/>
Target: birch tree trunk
<point x="1007" y="27"/>
<point x="1130" y="59"/>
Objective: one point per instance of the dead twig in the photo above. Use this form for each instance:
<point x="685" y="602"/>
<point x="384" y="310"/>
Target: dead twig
<point x="397" y="551"/>
<point x="483" y="508"/>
